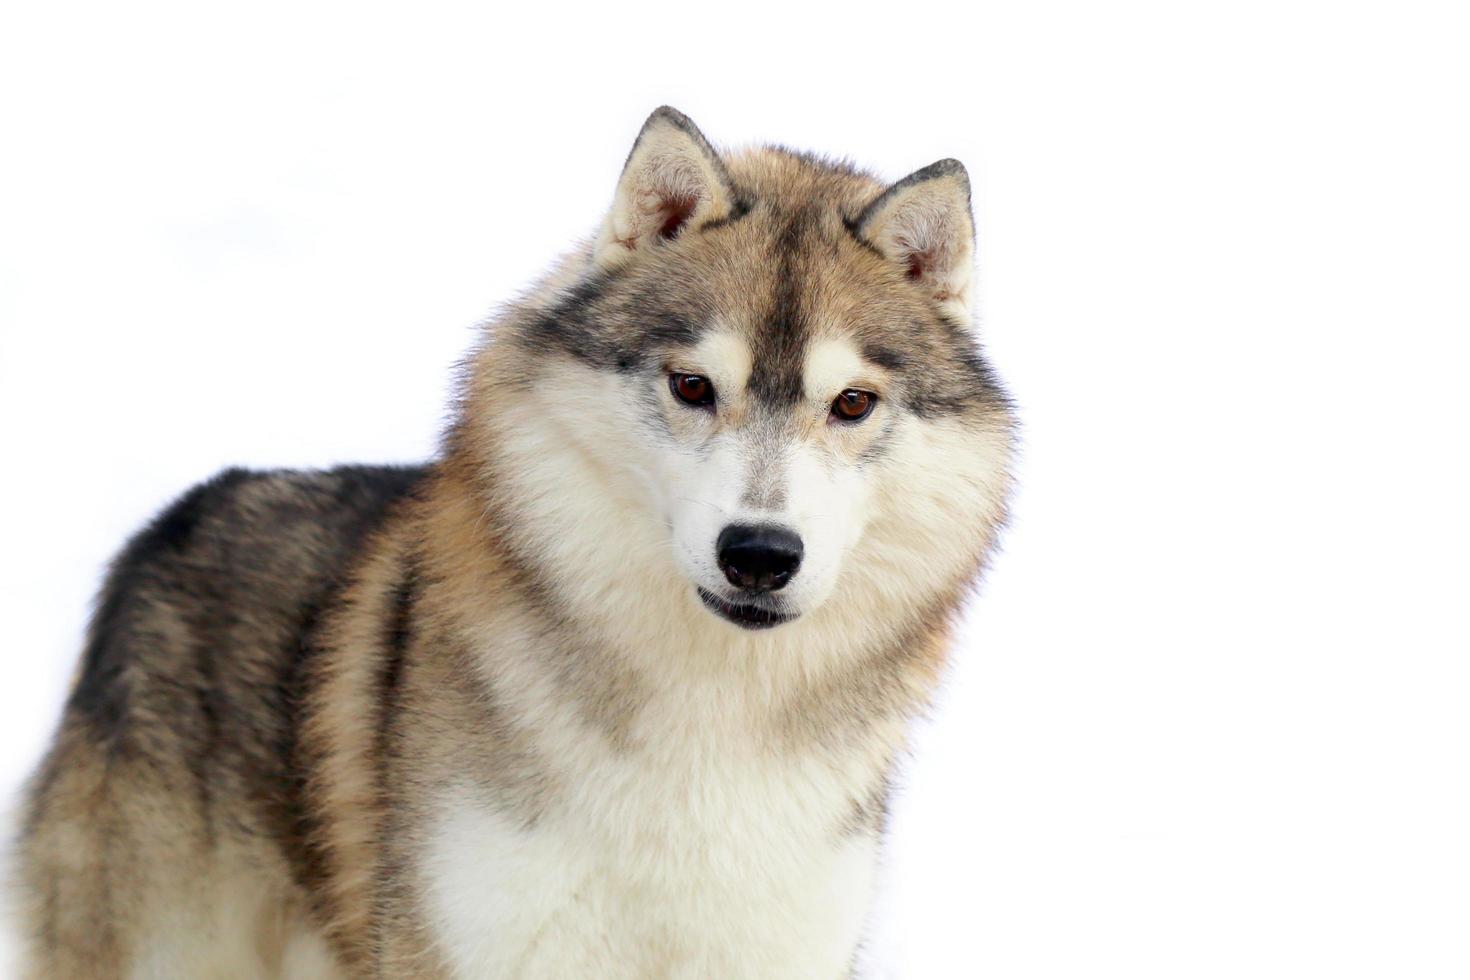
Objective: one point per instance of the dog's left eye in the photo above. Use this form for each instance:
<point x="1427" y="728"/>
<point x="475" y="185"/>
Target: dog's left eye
<point x="692" y="389"/>
<point x="853" y="405"/>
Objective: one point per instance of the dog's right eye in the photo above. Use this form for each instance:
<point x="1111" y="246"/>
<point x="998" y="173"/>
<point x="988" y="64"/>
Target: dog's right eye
<point x="692" y="389"/>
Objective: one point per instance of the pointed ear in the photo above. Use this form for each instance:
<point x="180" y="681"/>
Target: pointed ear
<point x="673" y="179"/>
<point x="923" y="224"/>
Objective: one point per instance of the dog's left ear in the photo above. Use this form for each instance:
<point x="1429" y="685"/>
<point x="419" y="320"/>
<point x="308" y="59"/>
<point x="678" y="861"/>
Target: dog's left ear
<point x="923" y="223"/>
<point x="673" y="180"/>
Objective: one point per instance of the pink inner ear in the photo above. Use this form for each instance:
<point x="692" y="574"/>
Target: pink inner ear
<point x="922" y="260"/>
<point x="677" y="211"/>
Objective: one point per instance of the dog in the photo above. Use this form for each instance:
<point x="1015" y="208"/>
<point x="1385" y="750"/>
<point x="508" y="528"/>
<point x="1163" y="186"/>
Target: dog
<point x="611" y="688"/>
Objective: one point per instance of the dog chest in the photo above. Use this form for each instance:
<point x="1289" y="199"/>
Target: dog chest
<point x="641" y="872"/>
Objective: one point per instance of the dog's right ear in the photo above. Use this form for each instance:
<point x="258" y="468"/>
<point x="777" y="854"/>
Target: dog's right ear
<point x="673" y="179"/>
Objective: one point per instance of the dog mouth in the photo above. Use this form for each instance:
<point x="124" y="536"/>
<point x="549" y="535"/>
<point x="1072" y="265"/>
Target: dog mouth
<point x="742" y="614"/>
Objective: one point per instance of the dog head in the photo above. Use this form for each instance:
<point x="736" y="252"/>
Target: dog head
<point x="757" y="393"/>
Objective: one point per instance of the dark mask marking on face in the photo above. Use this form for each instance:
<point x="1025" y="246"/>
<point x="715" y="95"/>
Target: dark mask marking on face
<point x="611" y="328"/>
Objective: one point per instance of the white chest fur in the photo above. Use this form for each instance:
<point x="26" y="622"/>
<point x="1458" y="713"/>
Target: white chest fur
<point x="741" y="870"/>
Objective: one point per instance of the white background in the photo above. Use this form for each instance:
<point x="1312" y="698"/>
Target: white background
<point x="1209" y="717"/>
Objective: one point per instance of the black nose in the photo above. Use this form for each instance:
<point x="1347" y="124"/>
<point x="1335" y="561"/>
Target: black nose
<point x="760" y="558"/>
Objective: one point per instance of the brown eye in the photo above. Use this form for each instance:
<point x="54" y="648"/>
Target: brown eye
<point x="692" y="389"/>
<point x="853" y="405"/>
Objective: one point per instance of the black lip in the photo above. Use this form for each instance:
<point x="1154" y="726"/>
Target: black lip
<point x="744" y="615"/>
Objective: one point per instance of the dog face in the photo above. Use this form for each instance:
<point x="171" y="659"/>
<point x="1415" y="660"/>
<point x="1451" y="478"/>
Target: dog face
<point x="769" y="359"/>
<point x="765" y="481"/>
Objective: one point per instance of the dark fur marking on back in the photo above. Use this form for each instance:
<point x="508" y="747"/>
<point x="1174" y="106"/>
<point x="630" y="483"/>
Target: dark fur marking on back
<point x="101" y="694"/>
<point x="218" y="578"/>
